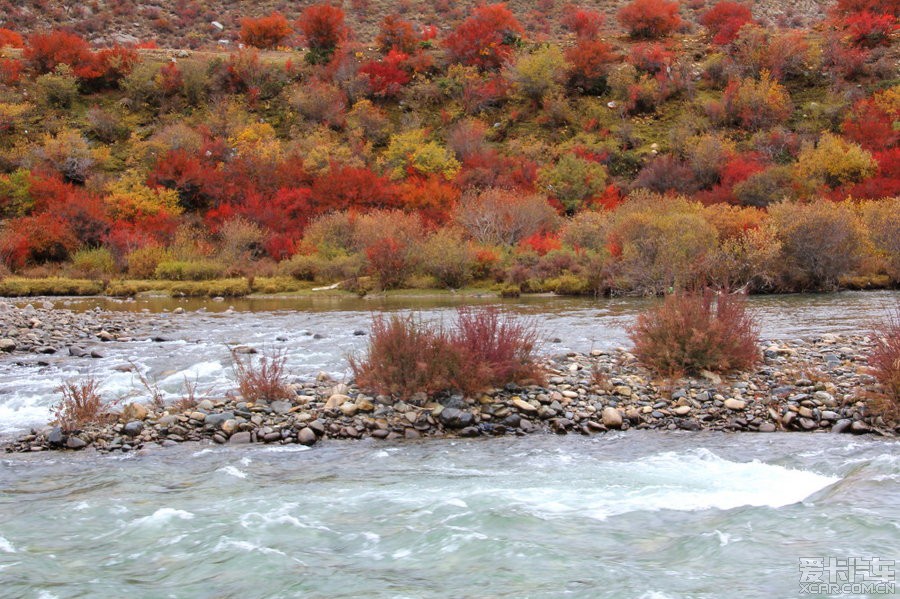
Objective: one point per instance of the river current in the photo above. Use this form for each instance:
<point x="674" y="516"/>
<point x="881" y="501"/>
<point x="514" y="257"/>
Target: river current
<point x="639" y="514"/>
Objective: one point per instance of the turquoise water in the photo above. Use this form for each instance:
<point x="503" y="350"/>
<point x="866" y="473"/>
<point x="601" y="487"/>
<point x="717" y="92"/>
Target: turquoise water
<point x="638" y="514"/>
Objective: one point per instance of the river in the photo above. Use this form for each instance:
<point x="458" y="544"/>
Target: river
<point x="640" y="514"/>
<point x="317" y="335"/>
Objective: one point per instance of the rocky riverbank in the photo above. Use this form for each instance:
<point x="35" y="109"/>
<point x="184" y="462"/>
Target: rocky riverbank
<point x="812" y="385"/>
<point x="45" y="329"/>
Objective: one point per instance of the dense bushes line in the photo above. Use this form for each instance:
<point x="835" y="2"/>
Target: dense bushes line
<point x="645" y="158"/>
<point x="648" y="245"/>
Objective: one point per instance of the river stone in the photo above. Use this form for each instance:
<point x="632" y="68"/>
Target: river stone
<point x="612" y="418"/>
<point x="306" y="436"/>
<point x="735" y="404"/>
<point x="859" y="427"/>
<point x="512" y="421"/>
<point x="842" y="426"/>
<point x="198" y="416"/>
<point x="766" y="427"/>
<point x="349" y="408"/>
<point x="364" y="404"/>
<point x="454" y="418"/>
<point x="229" y="426"/>
<point x="682" y="410"/>
<point x="240" y="438"/>
<point x="77" y="352"/>
<point x="97" y="355"/>
<point x="523" y="405"/>
<point x="7" y="345"/>
<point x="218" y="420"/>
<point x="205" y="405"/>
<point x="134" y="411"/>
<point x="133" y="428"/>
<point x="336" y="401"/>
<point x="56" y="436"/>
<point x="75" y="442"/>
<point x="280" y="407"/>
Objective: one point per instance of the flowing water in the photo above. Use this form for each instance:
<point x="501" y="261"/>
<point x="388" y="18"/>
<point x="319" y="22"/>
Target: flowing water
<point x="640" y="514"/>
<point x="317" y="334"/>
<point x="625" y="515"/>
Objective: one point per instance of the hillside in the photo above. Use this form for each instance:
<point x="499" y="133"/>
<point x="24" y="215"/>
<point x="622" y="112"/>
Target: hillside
<point x="188" y="23"/>
<point x="632" y="155"/>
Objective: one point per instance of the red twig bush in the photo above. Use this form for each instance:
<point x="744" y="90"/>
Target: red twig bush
<point x="484" y="348"/>
<point x="884" y="361"/>
<point x="499" y="347"/>
<point x="263" y="380"/>
<point x="80" y="405"/>
<point x="692" y="332"/>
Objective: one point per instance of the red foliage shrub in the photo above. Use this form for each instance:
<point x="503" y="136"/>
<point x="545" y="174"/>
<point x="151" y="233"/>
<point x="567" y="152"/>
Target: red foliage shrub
<point x="585" y="23"/>
<point x="10" y="71"/>
<point x="10" y="39"/>
<point x="110" y="66"/>
<point x="388" y="75"/>
<point x="486" y="348"/>
<point x="589" y="62"/>
<point x="181" y="171"/>
<point x="490" y="169"/>
<point x="871" y="126"/>
<point x="885" y="183"/>
<point x="265" y="380"/>
<point x="651" y="58"/>
<point x="323" y="26"/>
<point x="868" y="30"/>
<point x="724" y="20"/>
<point x="80" y="405"/>
<point x="406" y="356"/>
<point x="486" y="39"/>
<point x="479" y="94"/>
<point x="541" y="243"/>
<point x="343" y="187"/>
<point x="650" y="18"/>
<point x="432" y="198"/>
<point x="45" y="237"/>
<point x="47" y="50"/>
<point x="884" y="362"/>
<point x="171" y="80"/>
<point x="692" y="332"/>
<point x="498" y="347"/>
<point x="396" y="33"/>
<point x="265" y="32"/>
<point x="889" y="7"/>
<point x="148" y="230"/>
<point x="388" y="260"/>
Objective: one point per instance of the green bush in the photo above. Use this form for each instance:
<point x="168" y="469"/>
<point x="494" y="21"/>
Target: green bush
<point x="177" y="270"/>
<point x="94" y="262"/>
<point x="58" y="89"/>
<point x="448" y="258"/>
<point x="142" y="263"/>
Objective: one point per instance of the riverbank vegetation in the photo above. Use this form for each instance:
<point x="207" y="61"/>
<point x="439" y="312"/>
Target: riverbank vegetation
<point x="690" y="333"/>
<point x="482" y="348"/>
<point x="663" y="146"/>
<point x="884" y="361"/>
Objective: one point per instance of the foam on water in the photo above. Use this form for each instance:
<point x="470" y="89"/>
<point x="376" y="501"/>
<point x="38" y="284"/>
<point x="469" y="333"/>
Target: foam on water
<point x="162" y="516"/>
<point x="684" y="481"/>
<point x="22" y="413"/>
<point x="6" y="546"/>
<point x="232" y="471"/>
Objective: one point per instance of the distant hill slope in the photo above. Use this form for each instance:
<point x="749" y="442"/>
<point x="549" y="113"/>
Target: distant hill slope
<point x="190" y="23"/>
